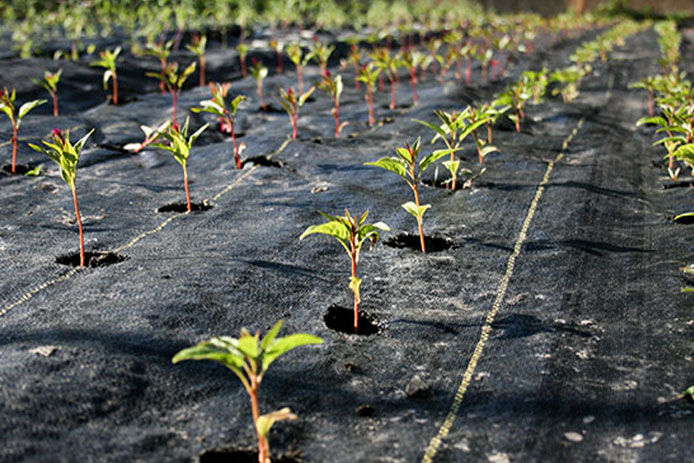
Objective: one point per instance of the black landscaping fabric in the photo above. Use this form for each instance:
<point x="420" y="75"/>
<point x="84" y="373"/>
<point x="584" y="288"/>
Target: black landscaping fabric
<point x="586" y="357"/>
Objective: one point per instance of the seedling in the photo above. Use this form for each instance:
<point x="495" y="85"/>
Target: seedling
<point x="278" y="47"/>
<point x="671" y="123"/>
<point x="320" y="53"/>
<point x="291" y="101"/>
<point x="174" y="82"/>
<point x="50" y="83"/>
<point x="494" y="111"/>
<point x="389" y="64"/>
<point x="647" y="83"/>
<point x="516" y="95"/>
<point x="259" y="73"/>
<point x="7" y="105"/>
<point x="161" y="50"/>
<point x="249" y="358"/>
<point x="179" y="145"/>
<point x="198" y="48"/>
<point x="484" y="114"/>
<point x="571" y="78"/>
<point x="369" y="75"/>
<point x="67" y="155"/>
<point x="333" y="87"/>
<point x="355" y="56"/>
<point x="296" y="55"/>
<point x="217" y="105"/>
<point x="108" y="62"/>
<point x="352" y="232"/>
<point x="406" y="166"/>
<point x="152" y="135"/>
<point x="242" y="48"/>
<point x="414" y="59"/>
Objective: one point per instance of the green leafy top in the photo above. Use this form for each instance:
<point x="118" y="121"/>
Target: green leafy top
<point x="64" y="153"/>
<point x="179" y="143"/>
<point x="161" y="50"/>
<point x="50" y="80"/>
<point x="108" y="62"/>
<point x="289" y="99"/>
<point x="171" y="77"/>
<point x="320" y="52"/>
<point x="350" y="230"/>
<point x="258" y="70"/>
<point x="217" y="104"/>
<point x="244" y="354"/>
<point x="369" y="74"/>
<point x="242" y="48"/>
<point x="296" y="55"/>
<point x="454" y="127"/>
<point x="198" y="46"/>
<point x="333" y="86"/>
<point x="7" y="106"/>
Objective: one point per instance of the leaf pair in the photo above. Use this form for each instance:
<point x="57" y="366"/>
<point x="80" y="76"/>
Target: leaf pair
<point x="64" y="153"/>
<point x="179" y="143"/>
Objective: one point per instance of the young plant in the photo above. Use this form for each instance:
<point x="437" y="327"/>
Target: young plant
<point x="249" y="358"/>
<point x="174" y="80"/>
<point x="179" y="145"/>
<point x="259" y="73"/>
<point x="355" y="56"/>
<point x="278" y="47"/>
<point x="152" y="135"/>
<point x="296" y="55"/>
<point x="475" y="117"/>
<point x="516" y="96"/>
<point x="198" y="48"/>
<point x="570" y="78"/>
<point x="369" y="75"/>
<point x="50" y="83"/>
<point x="320" y="53"/>
<point x="67" y="155"/>
<point x="413" y="60"/>
<point x="333" y="87"/>
<point x="161" y="50"/>
<point x="7" y="105"/>
<point x="389" y="64"/>
<point x="242" y="48"/>
<point x="217" y="105"/>
<point x="406" y="165"/>
<point x="352" y="232"/>
<point x="494" y="111"/>
<point x="108" y="62"/>
<point x="291" y="101"/>
<point x="647" y="83"/>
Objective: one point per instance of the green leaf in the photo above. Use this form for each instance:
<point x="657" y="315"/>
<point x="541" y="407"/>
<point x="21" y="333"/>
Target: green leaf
<point x="271" y="335"/>
<point x="686" y="215"/>
<point x="685" y="152"/>
<point x="433" y="157"/>
<point x="35" y="172"/>
<point x="305" y="96"/>
<point x="392" y="164"/>
<point x="335" y="228"/>
<point x="186" y="73"/>
<point x="218" y="349"/>
<point x="248" y="345"/>
<point x="489" y="149"/>
<point x="414" y="210"/>
<point x="280" y="346"/>
<point x="690" y="390"/>
<point x="657" y="120"/>
<point x="452" y="166"/>
<point x="433" y="127"/>
<point x="107" y="75"/>
<point x="265" y="422"/>
<point x="28" y="106"/>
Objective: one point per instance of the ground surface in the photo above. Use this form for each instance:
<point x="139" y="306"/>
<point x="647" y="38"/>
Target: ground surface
<point x="560" y="297"/>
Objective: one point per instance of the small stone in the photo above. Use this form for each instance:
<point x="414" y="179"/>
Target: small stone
<point x="45" y="351"/>
<point x="588" y="419"/>
<point x="417" y="388"/>
<point x="573" y="436"/>
<point x="498" y="458"/>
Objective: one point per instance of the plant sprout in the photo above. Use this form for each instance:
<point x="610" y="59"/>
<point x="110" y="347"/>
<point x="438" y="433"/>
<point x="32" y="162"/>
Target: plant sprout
<point x="217" y="105"/>
<point x="355" y="56"/>
<point x="333" y="87"/>
<point x="278" y="47"/>
<point x="198" y="48"/>
<point x="647" y="83"/>
<point x="571" y="78"/>
<point x="174" y="82"/>
<point x="369" y="75"/>
<point x="389" y="64"/>
<point x="7" y="105"/>
<point x="242" y="48"/>
<point x="152" y="135"/>
<point x="179" y="145"/>
<point x="259" y="73"/>
<point x="296" y="55"/>
<point x="108" y="62"/>
<point x="320" y="53"/>
<point x="249" y="358"/>
<point x="291" y="101"/>
<point x="413" y="60"/>
<point x="516" y="96"/>
<point x="406" y="166"/>
<point x="67" y="155"/>
<point x="352" y="232"/>
<point x="50" y="83"/>
<point x="161" y="50"/>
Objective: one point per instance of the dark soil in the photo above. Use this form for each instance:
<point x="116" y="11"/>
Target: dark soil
<point x="183" y="207"/>
<point x="341" y="319"/>
<point x="242" y="456"/>
<point x="411" y="241"/>
<point x="20" y="169"/>
<point x="92" y="259"/>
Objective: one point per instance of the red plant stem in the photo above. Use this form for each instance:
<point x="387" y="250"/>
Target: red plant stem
<point x="236" y="146"/>
<point x="420" y="223"/>
<point x="468" y="73"/>
<point x="280" y="63"/>
<point x="244" y="70"/>
<point x="263" y="447"/>
<point x="260" y="95"/>
<point x="300" y="75"/>
<point x="202" y="70"/>
<point x="651" y="110"/>
<point x="294" y="117"/>
<point x="79" y="223"/>
<point x="54" y="95"/>
<point x="489" y="132"/>
<point x="357" y="299"/>
<point x="115" y="89"/>
<point x="479" y="146"/>
<point x="185" y="182"/>
<point x="174" y="94"/>
<point x="370" y="100"/>
<point x="518" y="119"/>
<point x="413" y="82"/>
<point x="393" y="93"/>
<point x="381" y="82"/>
<point x="337" y="119"/>
<point x="14" y="147"/>
<point x="162" y="61"/>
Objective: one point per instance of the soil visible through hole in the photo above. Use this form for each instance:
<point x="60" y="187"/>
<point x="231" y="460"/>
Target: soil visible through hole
<point x="244" y="456"/>
<point x="408" y="240"/>
<point x="20" y="169"/>
<point x="92" y="259"/>
<point x="183" y="207"/>
<point x="341" y="319"/>
<point x="685" y="219"/>
<point x="263" y="161"/>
